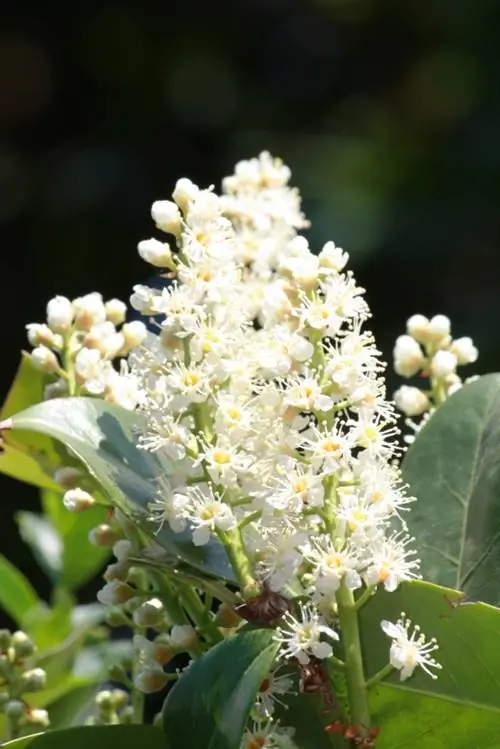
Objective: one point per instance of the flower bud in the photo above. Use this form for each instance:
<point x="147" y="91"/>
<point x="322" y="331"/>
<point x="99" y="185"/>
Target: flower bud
<point x="151" y="679"/>
<point x="5" y="638"/>
<point x="15" y="709"/>
<point x="439" y="328"/>
<point x="88" y="364"/>
<point x="333" y="258"/>
<point x="5" y="666"/>
<point x="115" y="592"/>
<point x="60" y="314"/>
<point x="39" y="718"/>
<point x="162" y="650"/>
<point x="89" y="311"/>
<point x="103" y="535"/>
<point x="134" y="333"/>
<point x="226" y="616"/>
<point x="408" y="356"/>
<point x="166" y="216"/>
<point x="127" y="715"/>
<point x="119" y="699"/>
<point x="111" y="346"/>
<point x="33" y="680"/>
<point x="41" y="335"/>
<point x="123" y="549"/>
<point x="155" y="253"/>
<point x="417" y="326"/>
<point x="77" y="500"/>
<point x="116" y="311"/>
<point x="443" y="364"/>
<point x="150" y="614"/>
<point x="68" y="477"/>
<point x="115" y="617"/>
<point x="183" y="637"/>
<point x="23" y="645"/>
<point x="118" y="571"/>
<point x="411" y="401"/>
<point x="184" y="193"/>
<point x="44" y="359"/>
<point x="104" y="701"/>
<point x="138" y="577"/>
<point x="4" y="698"/>
<point x="464" y="350"/>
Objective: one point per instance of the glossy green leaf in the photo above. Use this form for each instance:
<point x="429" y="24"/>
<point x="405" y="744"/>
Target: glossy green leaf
<point x="28" y="457"/>
<point x="461" y="708"/>
<point x="453" y="468"/>
<point x="97" y="737"/>
<point x="209" y="706"/>
<point x="80" y="560"/>
<point x="101" y="436"/>
<point x="17" y="596"/>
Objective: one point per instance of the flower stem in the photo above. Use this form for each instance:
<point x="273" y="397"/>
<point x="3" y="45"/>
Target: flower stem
<point x="379" y="676"/>
<point x="364" y="597"/>
<point x="199" y="614"/>
<point x="240" y="562"/>
<point x="356" y="687"/>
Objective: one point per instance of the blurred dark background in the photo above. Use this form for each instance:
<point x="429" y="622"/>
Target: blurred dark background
<point x="387" y="112"/>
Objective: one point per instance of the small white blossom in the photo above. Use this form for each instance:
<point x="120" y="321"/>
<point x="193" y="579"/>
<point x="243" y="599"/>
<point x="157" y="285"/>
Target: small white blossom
<point x="411" y="401"/>
<point x="438" y="328"/>
<point x="45" y="360"/>
<point x="301" y="639"/>
<point x="77" y="500"/>
<point x="417" y="326"/>
<point x="443" y="364"/>
<point x="464" y="350"/>
<point x="410" y="651"/>
<point x="155" y="253"/>
<point x="408" y="356"/>
<point x="60" y="314"/>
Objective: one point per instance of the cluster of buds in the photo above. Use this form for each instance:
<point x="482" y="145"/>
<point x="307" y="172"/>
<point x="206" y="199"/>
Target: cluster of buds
<point x="79" y="344"/>
<point x="156" y="640"/>
<point x="429" y="352"/>
<point x="112" y="707"/>
<point x="18" y="678"/>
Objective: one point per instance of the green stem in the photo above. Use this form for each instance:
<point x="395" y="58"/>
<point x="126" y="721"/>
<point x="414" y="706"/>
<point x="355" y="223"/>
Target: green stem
<point x="137" y="698"/>
<point x="364" y="597"/>
<point x="379" y="676"/>
<point x="69" y="366"/>
<point x="199" y="614"/>
<point x="356" y="687"/>
<point x="240" y="562"/>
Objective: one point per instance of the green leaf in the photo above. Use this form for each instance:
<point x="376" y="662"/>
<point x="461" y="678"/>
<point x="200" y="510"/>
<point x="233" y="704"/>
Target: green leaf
<point x="461" y="708"/>
<point x="97" y="737"/>
<point x="49" y="626"/>
<point x="453" y="468"/>
<point x="17" y="596"/>
<point x="209" y="705"/>
<point x="101" y="436"/>
<point x="29" y="457"/>
<point x="73" y="707"/>
<point x="80" y="560"/>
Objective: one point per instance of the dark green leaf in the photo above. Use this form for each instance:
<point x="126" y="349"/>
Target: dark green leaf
<point x="453" y="468"/>
<point x="98" y="737"/>
<point x="17" y="596"/>
<point x="209" y="706"/>
<point x="101" y="436"/>
<point x="29" y="457"/>
<point x="461" y="708"/>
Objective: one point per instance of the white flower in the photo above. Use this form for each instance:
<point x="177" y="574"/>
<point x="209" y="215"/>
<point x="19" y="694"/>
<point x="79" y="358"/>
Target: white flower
<point x="301" y="639"/>
<point x="155" y="253"/>
<point x="151" y="678"/>
<point x="305" y="395"/>
<point x="116" y="311"/>
<point x="298" y="489"/>
<point x="89" y="310"/>
<point x="464" y="350"/>
<point x="184" y="193"/>
<point x="411" y="401"/>
<point x="170" y="507"/>
<point x="391" y="562"/>
<point x="408" y="356"/>
<point x="443" y="364"/>
<point x="115" y="592"/>
<point x="134" y="333"/>
<point x="332" y="259"/>
<point x="331" y="566"/>
<point x="60" y="314"/>
<point x="88" y="368"/>
<point x="410" y="651"/>
<point x="208" y="513"/>
<point x="272" y="688"/>
<point x="123" y="549"/>
<point x="183" y="636"/>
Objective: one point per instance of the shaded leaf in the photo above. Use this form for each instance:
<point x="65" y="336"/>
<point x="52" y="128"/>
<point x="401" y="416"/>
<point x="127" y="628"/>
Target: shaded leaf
<point x="44" y="541"/>
<point x="97" y="737"/>
<point x="101" y="436"/>
<point x="17" y="596"/>
<point x="453" y="468"/>
<point x="209" y="705"/>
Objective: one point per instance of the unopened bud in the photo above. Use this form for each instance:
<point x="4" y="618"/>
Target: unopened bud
<point x="166" y="216"/>
<point x="104" y="701"/>
<point x="41" y="335"/>
<point x="68" y="477"/>
<point x="5" y="637"/>
<point x="464" y="350"/>
<point x="89" y="311"/>
<point x="134" y="333"/>
<point x="116" y="571"/>
<point x="77" y="500"/>
<point x="44" y="360"/>
<point x="408" y="356"/>
<point x="150" y="614"/>
<point x="103" y="535"/>
<point x="439" y="328"/>
<point x="226" y="616"/>
<point x="23" y="646"/>
<point x="183" y="637"/>
<point x="138" y="578"/>
<point x="33" y="680"/>
<point x="60" y="314"/>
<point x="115" y="592"/>
<point x="184" y="193"/>
<point x="417" y="326"/>
<point x="443" y="364"/>
<point x="115" y="617"/>
<point x="411" y="401"/>
<point x="15" y="709"/>
<point x="116" y="311"/>
<point x="151" y="679"/>
<point x="119" y="699"/>
<point x="39" y="718"/>
<point x="123" y="549"/>
<point x="127" y="715"/>
<point x="4" y="698"/>
<point x="155" y="253"/>
<point x="162" y="650"/>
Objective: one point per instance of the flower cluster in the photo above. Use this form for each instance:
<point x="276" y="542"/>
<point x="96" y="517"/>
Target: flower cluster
<point x="428" y="351"/>
<point x="19" y="677"/>
<point x="263" y="391"/>
<point x="78" y="344"/>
